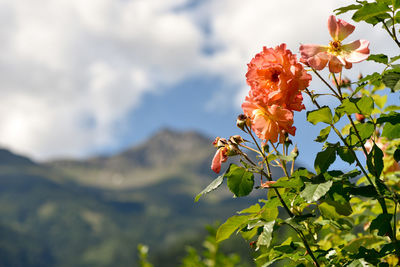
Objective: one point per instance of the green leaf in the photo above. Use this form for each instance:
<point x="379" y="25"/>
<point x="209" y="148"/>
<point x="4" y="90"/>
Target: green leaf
<point x="230" y="226"/>
<point x="346" y="154"/>
<point x="392" y="108"/>
<point x="375" y="161"/>
<point x="323" y="134"/>
<point x="284" y="182"/>
<point x="323" y="114"/>
<point x="364" y="105"/>
<point x="371" y="78"/>
<point x="359" y="263"/>
<point x="382" y="224"/>
<point x="266" y="236"/>
<point x="395" y="58"/>
<point x="364" y="191"/>
<point x="328" y="211"/>
<point x="391" y="79"/>
<point x="342" y="208"/>
<point x="313" y="192"/>
<point x="391" y="131"/>
<point x="212" y="186"/>
<point x="380" y="58"/>
<point x="352" y="174"/>
<point x="240" y="181"/>
<point x="379" y="100"/>
<point x="396" y="154"/>
<point x="346" y="9"/>
<point x="372" y="13"/>
<point x="324" y="159"/>
<point x="366" y="241"/>
<point x="270" y="212"/>
<point x="252" y="209"/>
<point x="392" y="117"/>
<point x="365" y="130"/>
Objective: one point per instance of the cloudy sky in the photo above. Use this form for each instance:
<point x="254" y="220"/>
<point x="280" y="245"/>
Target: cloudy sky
<point x="80" y="78"/>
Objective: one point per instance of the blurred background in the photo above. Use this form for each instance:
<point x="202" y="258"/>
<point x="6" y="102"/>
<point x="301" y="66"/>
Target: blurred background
<point x="107" y="113"/>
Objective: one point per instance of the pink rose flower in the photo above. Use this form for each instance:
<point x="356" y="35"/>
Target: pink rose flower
<point x="336" y="53"/>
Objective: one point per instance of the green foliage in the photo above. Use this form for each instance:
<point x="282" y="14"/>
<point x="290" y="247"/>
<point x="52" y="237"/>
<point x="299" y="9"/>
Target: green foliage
<point x="323" y="135"/>
<point x="364" y="105"/>
<point x="391" y="79"/>
<point x="230" y="226"/>
<point x="375" y="161"/>
<point x="334" y="217"/>
<point x="211" y="187"/>
<point x="346" y="154"/>
<point x="240" y="180"/>
<point x="265" y="237"/>
<point x="324" y="159"/>
<point x="322" y="114"/>
<point x="143" y="253"/>
<point x="313" y="192"/>
<point x="372" y="13"/>
<point x="379" y="58"/>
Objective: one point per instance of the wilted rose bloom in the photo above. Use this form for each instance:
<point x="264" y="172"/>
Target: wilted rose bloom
<point x="268" y="184"/>
<point x="336" y="53"/>
<point x="269" y="122"/>
<point x="219" y="157"/>
<point x="276" y="78"/>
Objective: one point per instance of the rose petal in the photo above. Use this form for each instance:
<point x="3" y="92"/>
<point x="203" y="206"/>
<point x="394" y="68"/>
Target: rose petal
<point x="335" y="65"/>
<point x="318" y="61"/>
<point x="344" y="29"/>
<point x="356" y="51"/>
<point x="332" y="26"/>
<point x="339" y="29"/>
<point x="309" y="50"/>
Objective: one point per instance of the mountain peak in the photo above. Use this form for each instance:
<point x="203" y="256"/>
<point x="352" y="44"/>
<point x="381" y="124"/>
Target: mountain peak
<point x="9" y="158"/>
<point x="172" y="135"/>
<point x="165" y="145"/>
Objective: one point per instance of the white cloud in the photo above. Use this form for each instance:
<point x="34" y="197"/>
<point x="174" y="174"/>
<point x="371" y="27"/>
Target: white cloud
<point x="72" y="69"/>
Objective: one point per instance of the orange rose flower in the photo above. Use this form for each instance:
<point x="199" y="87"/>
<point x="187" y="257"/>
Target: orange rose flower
<point x="269" y="122"/>
<point x="277" y="78"/>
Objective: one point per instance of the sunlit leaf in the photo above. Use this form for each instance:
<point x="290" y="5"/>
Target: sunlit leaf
<point x="230" y="226"/>
<point x="313" y="192"/>
<point x="212" y="186"/>
<point x="266" y="236"/>
<point x="323" y="134"/>
<point x="240" y="181"/>
<point x="346" y="9"/>
<point x="323" y="114"/>
<point x="372" y="13"/>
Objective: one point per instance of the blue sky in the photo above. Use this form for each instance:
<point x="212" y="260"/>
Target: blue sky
<point x="96" y="76"/>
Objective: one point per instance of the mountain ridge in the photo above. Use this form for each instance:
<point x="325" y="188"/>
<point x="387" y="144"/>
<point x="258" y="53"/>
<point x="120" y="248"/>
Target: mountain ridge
<point x="98" y="210"/>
